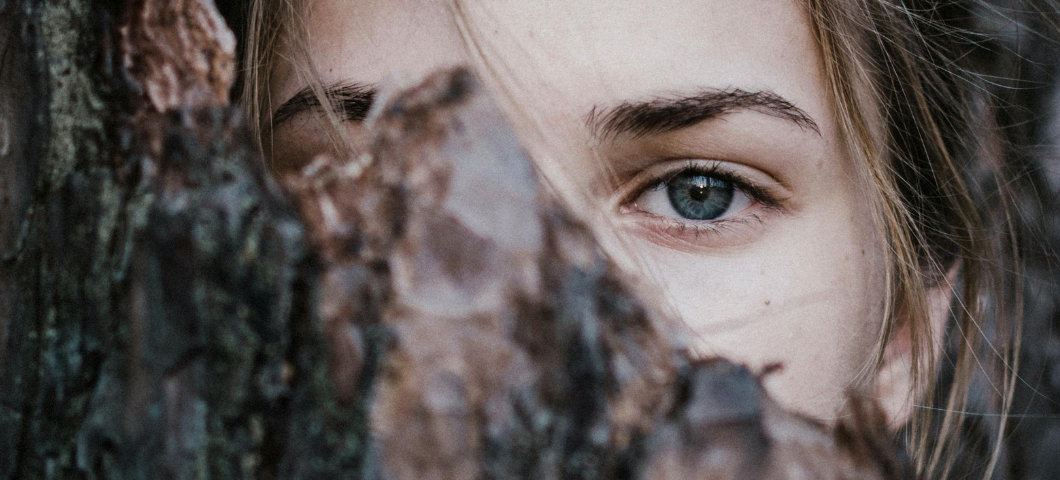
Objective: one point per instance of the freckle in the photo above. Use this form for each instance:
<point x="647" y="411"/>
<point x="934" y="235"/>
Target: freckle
<point x="768" y="302"/>
<point x="762" y="272"/>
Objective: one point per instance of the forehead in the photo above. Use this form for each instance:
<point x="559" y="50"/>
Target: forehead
<point x="574" y="52"/>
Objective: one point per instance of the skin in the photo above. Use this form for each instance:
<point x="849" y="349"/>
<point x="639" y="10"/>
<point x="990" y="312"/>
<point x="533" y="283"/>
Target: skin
<point x="798" y="279"/>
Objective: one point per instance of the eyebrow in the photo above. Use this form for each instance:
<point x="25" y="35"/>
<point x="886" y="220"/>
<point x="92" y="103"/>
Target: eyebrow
<point x="668" y="114"/>
<point x="350" y="100"/>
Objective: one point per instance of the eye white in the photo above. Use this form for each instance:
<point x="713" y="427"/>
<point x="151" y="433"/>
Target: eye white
<point x="656" y="200"/>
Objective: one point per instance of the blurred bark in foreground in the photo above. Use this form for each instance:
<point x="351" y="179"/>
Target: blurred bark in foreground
<point x="420" y="311"/>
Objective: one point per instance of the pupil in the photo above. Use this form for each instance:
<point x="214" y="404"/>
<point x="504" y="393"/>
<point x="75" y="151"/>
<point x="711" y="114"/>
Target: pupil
<point x="699" y="192"/>
<point x="699" y="197"/>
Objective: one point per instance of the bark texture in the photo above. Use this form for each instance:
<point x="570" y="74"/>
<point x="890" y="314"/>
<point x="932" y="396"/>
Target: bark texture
<point x="421" y="310"/>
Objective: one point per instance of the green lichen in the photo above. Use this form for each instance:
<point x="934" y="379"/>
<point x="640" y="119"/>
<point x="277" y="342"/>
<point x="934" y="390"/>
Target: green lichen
<point x="75" y="109"/>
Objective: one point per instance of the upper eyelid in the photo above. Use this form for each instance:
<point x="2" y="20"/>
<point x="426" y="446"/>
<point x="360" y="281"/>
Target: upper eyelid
<point x="350" y="100"/>
<point x="711" y="168"/>
<point x="667" y="175"/>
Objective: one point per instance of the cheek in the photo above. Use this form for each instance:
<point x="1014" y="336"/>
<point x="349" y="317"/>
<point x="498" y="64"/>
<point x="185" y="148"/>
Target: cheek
<point x="809" y="295"/>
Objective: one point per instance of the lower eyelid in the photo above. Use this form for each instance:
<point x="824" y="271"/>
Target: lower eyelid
<point x="695" y="236"/>
<point x="711" y="226"/>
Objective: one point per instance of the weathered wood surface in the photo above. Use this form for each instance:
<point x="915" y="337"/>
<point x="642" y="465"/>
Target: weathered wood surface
<point x="421" y="310"/>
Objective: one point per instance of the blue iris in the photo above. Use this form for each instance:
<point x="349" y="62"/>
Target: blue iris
<point x="699" y="197"/>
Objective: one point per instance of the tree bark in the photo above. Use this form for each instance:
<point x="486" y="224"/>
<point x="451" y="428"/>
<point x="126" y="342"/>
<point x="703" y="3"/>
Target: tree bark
<point x="421" y="310"/>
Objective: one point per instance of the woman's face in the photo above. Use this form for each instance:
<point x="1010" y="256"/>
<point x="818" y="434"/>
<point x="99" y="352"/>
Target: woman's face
<point x="698" y="135"/>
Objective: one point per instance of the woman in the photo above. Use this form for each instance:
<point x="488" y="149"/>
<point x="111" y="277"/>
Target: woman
<point x="794" y="178"/>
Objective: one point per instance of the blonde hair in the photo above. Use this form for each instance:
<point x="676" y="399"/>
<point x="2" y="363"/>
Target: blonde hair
<point x="907" y="107"/>
<point x="922" y="167"/>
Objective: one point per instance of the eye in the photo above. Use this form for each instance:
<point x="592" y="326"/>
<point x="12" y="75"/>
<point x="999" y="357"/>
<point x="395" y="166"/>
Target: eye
<point x="693" y="194"/>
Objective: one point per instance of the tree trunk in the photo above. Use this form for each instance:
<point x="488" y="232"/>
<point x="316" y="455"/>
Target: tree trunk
<point x="170" y="312"/>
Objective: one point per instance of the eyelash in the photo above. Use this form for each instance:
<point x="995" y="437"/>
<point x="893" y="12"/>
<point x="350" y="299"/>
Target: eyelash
<point x="682" y="228"/>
